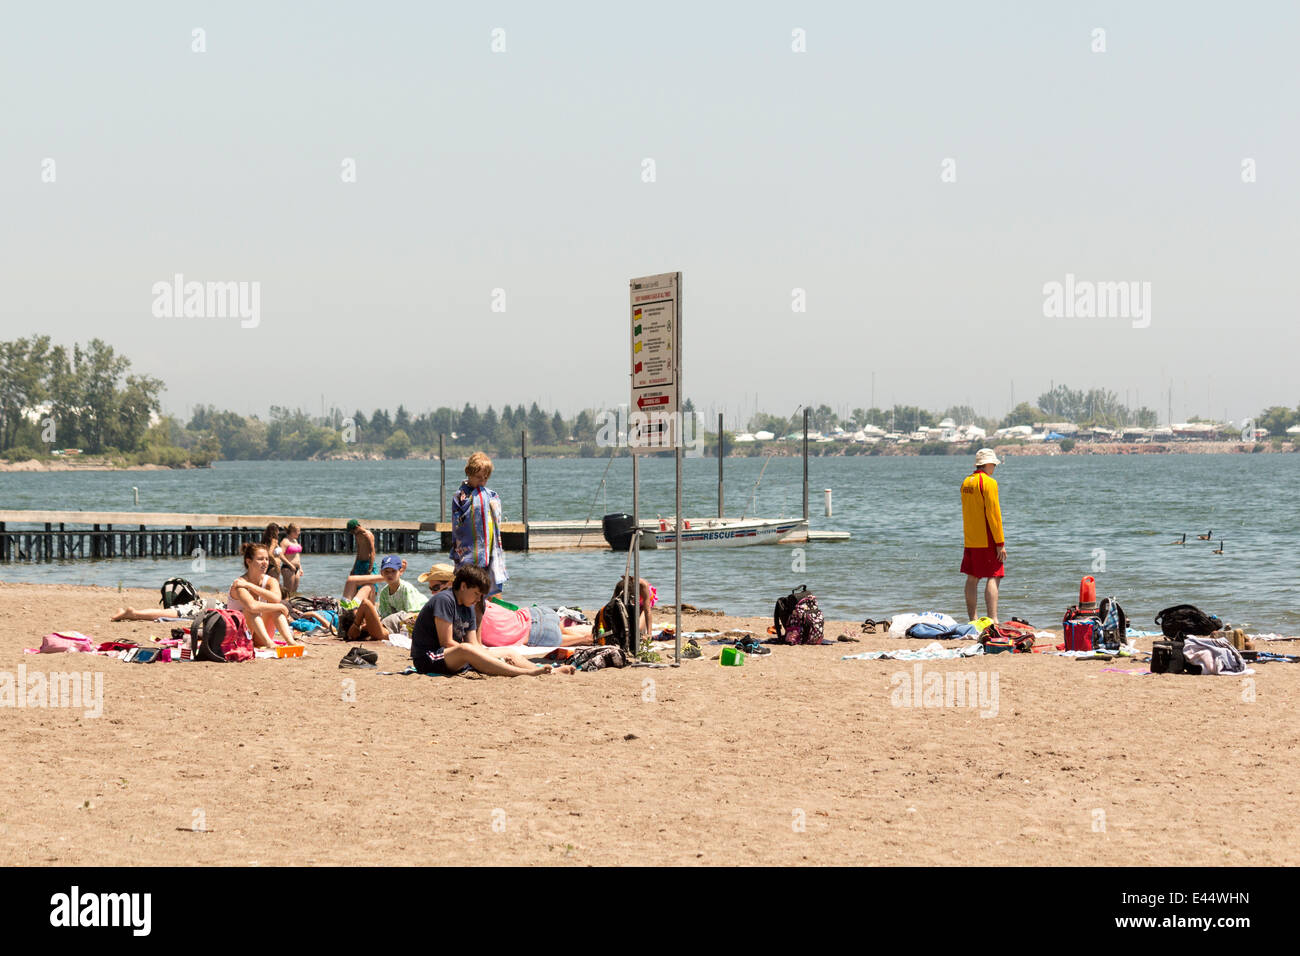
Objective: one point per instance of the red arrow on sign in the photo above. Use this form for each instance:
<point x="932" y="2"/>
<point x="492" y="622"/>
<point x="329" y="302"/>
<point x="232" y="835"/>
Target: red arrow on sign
<point x="645" y="400"/>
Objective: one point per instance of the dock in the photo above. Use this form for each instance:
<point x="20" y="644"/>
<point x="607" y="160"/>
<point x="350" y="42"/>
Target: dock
<point x="70" y="535"/>
<point x="65" y="535"/>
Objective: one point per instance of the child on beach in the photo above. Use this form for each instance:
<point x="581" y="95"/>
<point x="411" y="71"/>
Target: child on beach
<point x="446" y="639"/>
<point x="648" y="597"/>
<point x="395" y="602"/>
<point x="256" y="595"/>
<point x="476" y="524"/>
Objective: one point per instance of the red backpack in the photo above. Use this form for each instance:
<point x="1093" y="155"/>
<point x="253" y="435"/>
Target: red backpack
<point x="1015" y="635"/>
<point x="220" y="636"/>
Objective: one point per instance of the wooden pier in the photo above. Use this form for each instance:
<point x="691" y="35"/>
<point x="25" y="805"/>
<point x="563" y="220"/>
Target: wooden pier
<point x="67" y="535"/>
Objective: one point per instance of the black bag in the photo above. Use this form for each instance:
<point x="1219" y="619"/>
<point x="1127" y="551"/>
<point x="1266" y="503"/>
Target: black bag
<point x="1167" y="658"/>
<point x="614" y="625"/>
<point x="785" y="607"/>
<point x="1183" y="619"/>
<point x="178" y="591"/>
<point x="209" y="634"/>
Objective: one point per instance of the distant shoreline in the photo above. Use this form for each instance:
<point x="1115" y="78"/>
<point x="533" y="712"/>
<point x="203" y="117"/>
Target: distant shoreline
<point x="794" y="449"/>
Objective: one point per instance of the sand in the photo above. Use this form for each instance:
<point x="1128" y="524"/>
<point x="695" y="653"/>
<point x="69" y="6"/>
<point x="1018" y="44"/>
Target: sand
<point x="797" y="757"/>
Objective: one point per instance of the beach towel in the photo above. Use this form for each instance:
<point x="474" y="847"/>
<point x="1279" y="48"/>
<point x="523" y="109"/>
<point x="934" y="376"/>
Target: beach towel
<point x="899" y="626"/>
<point x="932" y="652"/>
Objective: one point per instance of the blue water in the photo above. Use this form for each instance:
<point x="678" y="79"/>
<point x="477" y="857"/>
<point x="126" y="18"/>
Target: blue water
<point x="1064" y="517"/>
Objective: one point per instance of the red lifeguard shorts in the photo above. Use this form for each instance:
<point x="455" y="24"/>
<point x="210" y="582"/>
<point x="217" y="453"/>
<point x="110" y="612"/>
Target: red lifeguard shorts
<point x="982" y="563"/>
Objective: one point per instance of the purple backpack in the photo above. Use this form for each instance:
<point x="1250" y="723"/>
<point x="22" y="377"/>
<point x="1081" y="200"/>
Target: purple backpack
<point x="805" y="623"/>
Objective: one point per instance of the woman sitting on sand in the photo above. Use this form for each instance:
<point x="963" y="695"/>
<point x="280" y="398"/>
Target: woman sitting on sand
<point x="446" y="640"/>
<point x="256" y="595"/>
<point x="271" y="540"/>
<point x="290" y="552"/>
<point x="501" y="627"/>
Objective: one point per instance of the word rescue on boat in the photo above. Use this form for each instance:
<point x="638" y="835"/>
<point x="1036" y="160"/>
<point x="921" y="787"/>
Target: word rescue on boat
<point x="74" y="909"/>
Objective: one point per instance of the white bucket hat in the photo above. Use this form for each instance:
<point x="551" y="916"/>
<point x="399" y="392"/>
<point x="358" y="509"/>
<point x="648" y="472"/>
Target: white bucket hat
<point x="985" y="456"/>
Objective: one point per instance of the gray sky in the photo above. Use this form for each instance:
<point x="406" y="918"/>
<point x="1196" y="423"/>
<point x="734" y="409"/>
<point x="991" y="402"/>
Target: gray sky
<point x="774" y="170"/>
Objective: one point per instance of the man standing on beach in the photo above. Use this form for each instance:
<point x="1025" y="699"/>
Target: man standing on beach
<point x="981" y="518"/>
<point x="365" y="560"/>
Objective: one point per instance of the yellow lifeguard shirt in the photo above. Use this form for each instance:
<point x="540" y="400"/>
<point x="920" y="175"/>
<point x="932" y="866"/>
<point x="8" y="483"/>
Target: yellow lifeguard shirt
<point x="981" y="514"/>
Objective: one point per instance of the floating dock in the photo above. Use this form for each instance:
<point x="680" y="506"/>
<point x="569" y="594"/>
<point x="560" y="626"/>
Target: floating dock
<point x="69" y="535"/>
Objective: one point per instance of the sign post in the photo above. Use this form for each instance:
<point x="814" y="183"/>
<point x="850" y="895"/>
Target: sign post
<point x="654" y="416"/>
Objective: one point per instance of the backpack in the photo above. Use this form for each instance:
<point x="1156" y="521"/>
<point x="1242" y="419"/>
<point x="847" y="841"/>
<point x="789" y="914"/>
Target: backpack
<point x="1106" y="628"/>
<point x="178" y="591"/>
<point x="220" y="636"/>
<point x="614" y="626"/>
<point x="1183" y="619"/>
<point x="805" y="623"/>
<point x="784" y="608"/>
<point x="1015" y="635"/>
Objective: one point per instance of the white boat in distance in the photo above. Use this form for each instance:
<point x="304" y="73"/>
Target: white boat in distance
<point x="707" y="532"/>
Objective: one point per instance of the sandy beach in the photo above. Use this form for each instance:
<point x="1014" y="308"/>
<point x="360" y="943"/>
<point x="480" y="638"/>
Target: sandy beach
<point x="797" y="757"/>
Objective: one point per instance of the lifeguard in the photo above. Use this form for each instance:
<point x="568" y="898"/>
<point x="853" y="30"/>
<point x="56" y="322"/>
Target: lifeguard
<point x="981" y="518"/>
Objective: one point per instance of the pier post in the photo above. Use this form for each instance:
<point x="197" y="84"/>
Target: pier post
<point x="806" y="412"/>
<point x="4" y="541"/>
<point x="49" y="542"/>
<point x="523" y="441"/>
<point x="719" y="464"/>
<point x="442" y="478"/>
<point x="62" y="540"/>
<point x="94" y="541"/>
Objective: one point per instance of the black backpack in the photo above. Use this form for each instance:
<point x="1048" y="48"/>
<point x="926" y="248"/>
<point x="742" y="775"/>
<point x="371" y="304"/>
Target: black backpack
<point x="1183" y="619"/>
<point x="616" y="623"/>
<point x="178" y="591"/>
<point x="785" y="607"/>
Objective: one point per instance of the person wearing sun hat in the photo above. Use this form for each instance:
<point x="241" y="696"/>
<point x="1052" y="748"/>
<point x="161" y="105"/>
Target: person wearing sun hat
<point x="985" y="545"/>
<point x="438" y="577"/>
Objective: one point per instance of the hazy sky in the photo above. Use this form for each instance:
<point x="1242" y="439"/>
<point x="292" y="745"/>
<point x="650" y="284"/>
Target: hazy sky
<point x="774" y="170"/>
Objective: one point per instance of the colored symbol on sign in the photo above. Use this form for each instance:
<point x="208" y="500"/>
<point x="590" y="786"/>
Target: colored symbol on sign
<point x="637" y="347"/>
<point x="636" y="330"/>
<point x="636" y="313"/>
<point x="648" y="400"/>
<point x="638" y="367"/>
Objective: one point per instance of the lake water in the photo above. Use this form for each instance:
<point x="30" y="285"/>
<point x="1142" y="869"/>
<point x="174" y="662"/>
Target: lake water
<point x="1065" y="516"/>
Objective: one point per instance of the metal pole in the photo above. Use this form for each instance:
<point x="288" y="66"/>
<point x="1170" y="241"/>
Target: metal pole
<point x="805" y="464"/>
<point x="720" y="451"/>
<point x="636" y="555"/>
<point x="442" y="479"/>
<point x="523" y="441"/>
<point x="677" y="549"/>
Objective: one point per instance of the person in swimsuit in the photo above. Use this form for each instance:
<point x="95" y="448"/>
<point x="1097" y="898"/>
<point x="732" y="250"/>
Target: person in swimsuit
<point x="290" y="560"/>
<point x="648" y="598"/>
<point x="365" y="561"/>
<point x="256" y="595"/>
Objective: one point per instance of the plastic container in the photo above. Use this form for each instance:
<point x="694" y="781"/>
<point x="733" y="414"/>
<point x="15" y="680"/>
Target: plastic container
<point x="731" y="657"/>
<point x="290" y="650"/>
<point x="1088" y="592"/>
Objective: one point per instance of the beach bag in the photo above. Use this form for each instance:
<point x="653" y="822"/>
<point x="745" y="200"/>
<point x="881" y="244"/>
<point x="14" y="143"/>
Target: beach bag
<point x="1015" y="635"/>
<point x="66" y="642"/>
<point x="784" y="608"/>
<point x="220" y="636"/>
<point x="178" y="591"/>
<point x="613" y="625"/>
<point x="598" y="658"/>
<point x="1167" y="657"/>
<point x="1181" y="620"/>
<point x="806" y="622"/>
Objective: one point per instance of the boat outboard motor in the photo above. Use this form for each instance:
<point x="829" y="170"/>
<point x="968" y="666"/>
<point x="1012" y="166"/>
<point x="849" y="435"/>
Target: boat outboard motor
<point x="619" y="529"/>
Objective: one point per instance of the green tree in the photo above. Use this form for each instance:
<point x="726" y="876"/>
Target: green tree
<point x="539" y="428"/>
<point x="559" y="428"/>
<point x="469" y="429"/>
<point x="398" y="445"/>
<point x="1023" y="414"/>
<point x="24" y="375"/>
